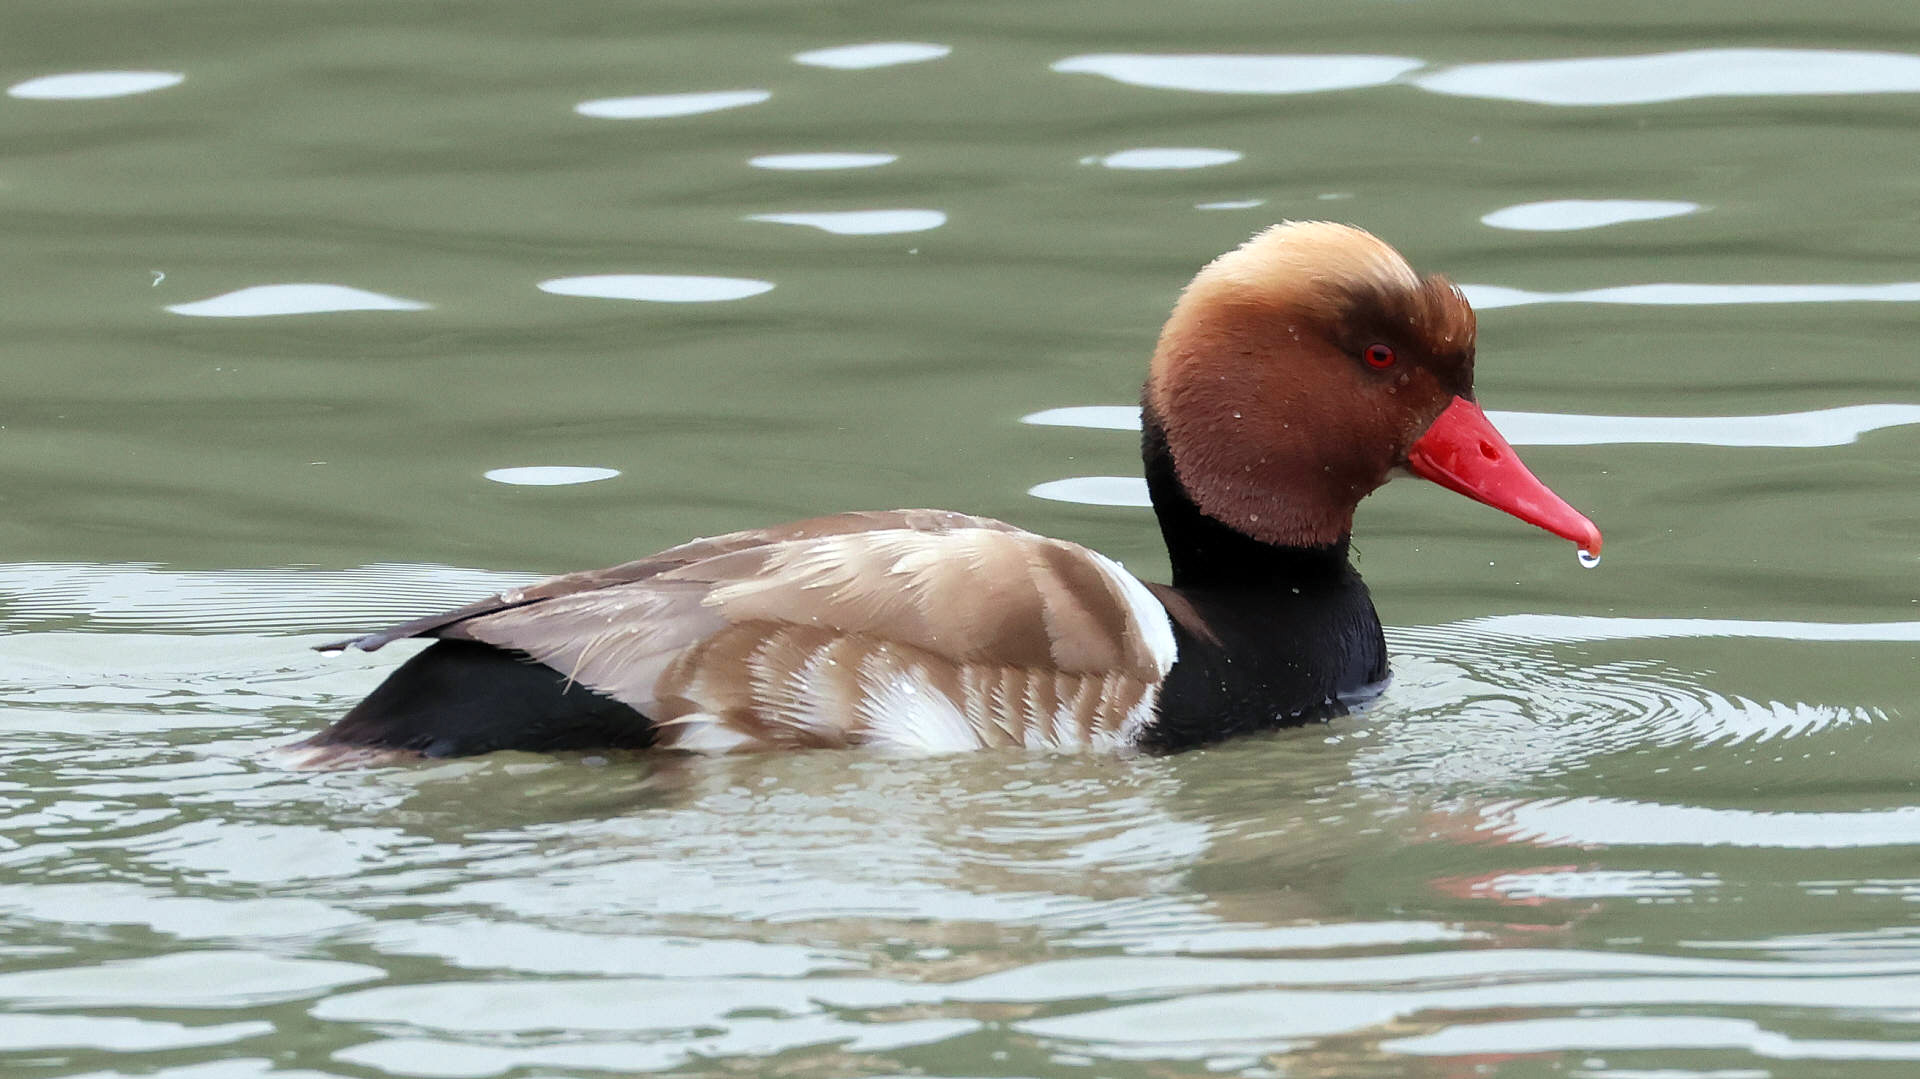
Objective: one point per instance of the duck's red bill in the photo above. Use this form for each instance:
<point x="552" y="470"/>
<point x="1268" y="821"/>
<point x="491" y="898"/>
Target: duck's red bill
<point x="1462" y="452"/>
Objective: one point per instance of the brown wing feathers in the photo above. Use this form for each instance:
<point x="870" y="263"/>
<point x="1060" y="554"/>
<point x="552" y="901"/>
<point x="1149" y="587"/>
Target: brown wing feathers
<point x="919" y="630"/>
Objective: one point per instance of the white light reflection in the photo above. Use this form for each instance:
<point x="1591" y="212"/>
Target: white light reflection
<point x="187" y="979"/>
<point x="149" y="598"/>
<point x="1229" y="1025"/>
<point x="1674" y="294"/>
<point x="115" y="1033"/>
<point x="1566" y="628"/>
<point x="88" y="85"/>
<point x="861" y="222"/>
<point x="1251" y="74"/>
<point x="550" y="475"/>
<point x="1566" y="215"/>
<point x="821" y="161"/>
<point x="1789" y="430"/>
<point x="1637" y="1033"/>
<point x="1613" y="822"/>
<point x="657" y="288"/>
<point x="1680" y="76"/>
<point x="877" y="54"/>
<point x="1165" y="157"/>
<point x="663" y="106"/>
<point x="1094" y="490"/>
<point x="261" y="301"/>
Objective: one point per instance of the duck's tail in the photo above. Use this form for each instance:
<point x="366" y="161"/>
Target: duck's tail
<point x="460" y="698"/>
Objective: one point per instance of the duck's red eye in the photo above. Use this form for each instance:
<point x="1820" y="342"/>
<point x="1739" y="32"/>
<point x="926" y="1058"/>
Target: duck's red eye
<point x="1379" y="355"/>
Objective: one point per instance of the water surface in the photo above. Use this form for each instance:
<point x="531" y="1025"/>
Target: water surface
<point x="323" y="316"/>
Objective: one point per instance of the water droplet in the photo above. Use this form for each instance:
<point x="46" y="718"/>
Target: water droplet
<point x="1588" y="559"/>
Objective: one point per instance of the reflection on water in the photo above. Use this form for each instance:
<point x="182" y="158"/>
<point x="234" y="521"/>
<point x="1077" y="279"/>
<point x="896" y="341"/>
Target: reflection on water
<point x="1564" y="215"/>
<point x="1250" y="74"/>
<point x="660" y="106"/>
<point x="1642" y="1033"/>
<point x="821" y="161"/>
<point x="1590" y="821"/>
<point x="1822" y="427"/>
<point x="550" y="475"/>
<point x="1493" y="297"/>
<point x="1166" y="157"/>
<point x="877" y="54"/>
<point x="259" y="301"/>
<point x="1678" y="76"/>
<point x="861" y="222"/>
<point x="1595" y="838"/>
<point x="85" y="85"/>
<point x="657" y="288"/>
<point x="474" y="917"/>
<point x="1095" y="491"/>
<point x="1825" y="427"/>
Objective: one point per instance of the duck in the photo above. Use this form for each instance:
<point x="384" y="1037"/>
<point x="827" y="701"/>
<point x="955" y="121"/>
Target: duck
<point x="1295" y="375"/>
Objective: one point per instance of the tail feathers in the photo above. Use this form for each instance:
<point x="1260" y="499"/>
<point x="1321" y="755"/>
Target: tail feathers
<point x="460" y="698"/>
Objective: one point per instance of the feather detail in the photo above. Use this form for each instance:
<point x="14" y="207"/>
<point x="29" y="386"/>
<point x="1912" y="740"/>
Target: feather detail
<point x="916" y="631"/>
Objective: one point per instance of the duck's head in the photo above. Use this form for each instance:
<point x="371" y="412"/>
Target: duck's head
<point x="1301" y="370"/>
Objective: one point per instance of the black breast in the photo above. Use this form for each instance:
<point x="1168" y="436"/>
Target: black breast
<point x="1261" y="658"/>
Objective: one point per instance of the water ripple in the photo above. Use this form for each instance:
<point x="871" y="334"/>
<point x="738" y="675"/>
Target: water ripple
<point x="1241" y="74"/>
<point x="1596" y="821"/>
<point x="875" y="54"/>
<point x="1563" y="215"/>
<point x="821" y="161"/>
<point x="662" y="106"/>
<point x="550" y="475"/>
<point x="1838" y="426"/>
<point x="260" y="301"/>
<point x="1165" y="157"/>
<point x="87" y="85"/>
<point x="657" y="288"/>
<point x="1680" y="76"/>
<point x="1666" y="294"/>
<point x="1641" y="1032"/>
<point x="861" y="222"/>
<point x="117" y="1033"/>
<point x="209" y="979"/>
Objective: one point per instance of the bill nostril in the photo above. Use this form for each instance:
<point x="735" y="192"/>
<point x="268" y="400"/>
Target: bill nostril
<point x="1488" y="451"/>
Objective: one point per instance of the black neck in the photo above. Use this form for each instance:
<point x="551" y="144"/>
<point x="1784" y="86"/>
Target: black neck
<point x="1207" y="552"/>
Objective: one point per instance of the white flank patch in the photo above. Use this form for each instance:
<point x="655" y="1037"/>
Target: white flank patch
<point x="1149" y="617"/>
<point x="904" y="711"/>
<point x="701" y="732"/>
<point x="1138" y="717"/>
<point x="88" y="85"/>
<point x="261" y="301"/>
<point x="877" y="54"/>
<point x="664" y="106"/>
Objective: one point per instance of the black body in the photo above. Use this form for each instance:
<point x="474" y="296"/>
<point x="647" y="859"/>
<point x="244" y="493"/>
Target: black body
<point x="460" y="698"/>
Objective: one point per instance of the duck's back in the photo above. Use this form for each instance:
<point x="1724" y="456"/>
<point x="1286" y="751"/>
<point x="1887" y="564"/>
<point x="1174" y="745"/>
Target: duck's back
<point x="921" y="630"/>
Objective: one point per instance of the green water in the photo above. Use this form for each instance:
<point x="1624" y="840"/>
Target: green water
<point x="1656" y="819"/>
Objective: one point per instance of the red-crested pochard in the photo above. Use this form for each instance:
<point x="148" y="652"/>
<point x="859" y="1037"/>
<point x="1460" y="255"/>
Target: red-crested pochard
<point x="1295" y="375"/>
